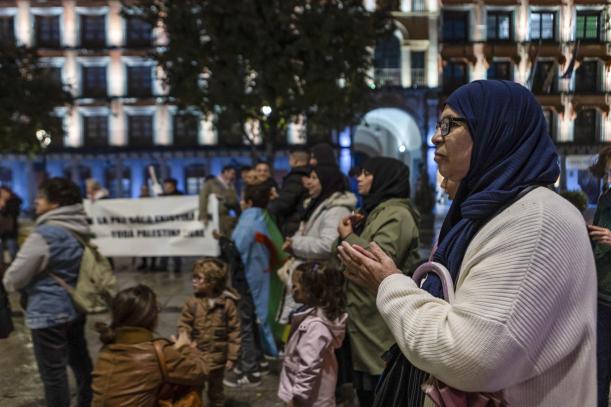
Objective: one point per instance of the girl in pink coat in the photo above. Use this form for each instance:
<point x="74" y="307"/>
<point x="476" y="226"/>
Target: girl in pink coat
<point x="309" y="368"/>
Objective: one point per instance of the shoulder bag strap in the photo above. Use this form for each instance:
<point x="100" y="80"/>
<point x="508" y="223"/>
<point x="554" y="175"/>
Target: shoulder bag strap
<point x="158" y="346"/>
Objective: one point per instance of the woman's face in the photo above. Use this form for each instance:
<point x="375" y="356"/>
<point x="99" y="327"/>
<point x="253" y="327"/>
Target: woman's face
<point x="314" y="186"/>
<point x="365" y="180"/>
<point x="453" y="152"/>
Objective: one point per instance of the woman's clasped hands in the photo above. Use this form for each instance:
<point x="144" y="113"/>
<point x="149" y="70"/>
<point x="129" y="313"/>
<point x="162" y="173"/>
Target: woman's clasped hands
<point x="366" y="268"/>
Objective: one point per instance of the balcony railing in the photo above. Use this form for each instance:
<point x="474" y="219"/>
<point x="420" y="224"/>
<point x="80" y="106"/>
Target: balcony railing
<point x="418" y="77"/>
<point x="387" y="76"/>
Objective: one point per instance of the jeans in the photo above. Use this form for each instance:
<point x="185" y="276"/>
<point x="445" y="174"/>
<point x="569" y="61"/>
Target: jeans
<point x="603" y="353"/>
<point x="54" y="348"/>
<point x="251" y="349"/>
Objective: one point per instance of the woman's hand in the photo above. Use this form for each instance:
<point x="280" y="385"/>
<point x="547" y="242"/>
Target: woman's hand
<point x="345" y="227"/>
<point x="600" y="235"/>
<point x="287" y="246"/>
<point x="366" y="268"/>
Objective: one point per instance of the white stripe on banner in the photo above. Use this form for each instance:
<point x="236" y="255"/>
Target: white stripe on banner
<point x="162" y="226"/>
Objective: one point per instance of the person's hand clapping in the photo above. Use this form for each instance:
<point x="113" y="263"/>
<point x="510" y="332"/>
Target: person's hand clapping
<point x="600" y="234"/>
<point x="366" y="268"/>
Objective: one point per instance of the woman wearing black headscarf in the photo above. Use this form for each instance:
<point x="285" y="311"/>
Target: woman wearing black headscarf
<point x="523" y="318"/>
<point x="392" y="222"/>
<point x="329" y="204"/>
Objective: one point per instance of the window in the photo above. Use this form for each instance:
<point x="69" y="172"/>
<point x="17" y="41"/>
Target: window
<point x="47" y="31"/>
<point x="94" y="81"/>
<point x="588" y="25"/>
<point x="454" y="75"/>
<point x="455" y="26"/>
<point x="499" y="25"/>
<point x="501" y="70"/>
<point x="186" y="130"/>
<point x="119" y="182"/>
<point x="387" y="61"/>
<point x="139" y="81"/>
<point x="585" y="127"/>
<point x="543" y="25"/>
<point x="95" y="131"/>
<point x="139" y="33"/>
<point x="550" y="120"/>
<point x="417" y="68"/>
<point x="546" y="77"/>
<point x="140" y="130"/>
<point x="7" y="29"/>
<point x="418" y="5"/>
<point x="194" y="178"/>
<point x="586" y="77"/>
<point x="55" y="74"/>
<point x="93" y="31"/>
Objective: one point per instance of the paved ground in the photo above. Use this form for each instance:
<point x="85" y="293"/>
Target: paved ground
<point x="19" y="382"/>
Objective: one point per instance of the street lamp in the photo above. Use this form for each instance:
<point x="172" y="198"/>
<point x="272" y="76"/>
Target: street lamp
<point x="44" y="139"/>
<point x="266" y="110"/>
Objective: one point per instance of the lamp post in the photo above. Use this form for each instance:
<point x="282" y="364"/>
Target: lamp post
<point x="44" y="138"/>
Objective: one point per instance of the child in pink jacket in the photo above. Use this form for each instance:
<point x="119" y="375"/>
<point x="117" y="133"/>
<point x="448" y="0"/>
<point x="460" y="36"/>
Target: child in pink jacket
<point x="309" y="368"/>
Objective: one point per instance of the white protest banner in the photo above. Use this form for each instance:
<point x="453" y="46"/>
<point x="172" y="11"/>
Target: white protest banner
<point x="162" y="226"/>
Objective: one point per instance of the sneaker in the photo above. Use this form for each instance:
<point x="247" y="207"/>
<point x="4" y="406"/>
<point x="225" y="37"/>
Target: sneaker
<point x="245" y="380"/>
<point x="263" y="368"/>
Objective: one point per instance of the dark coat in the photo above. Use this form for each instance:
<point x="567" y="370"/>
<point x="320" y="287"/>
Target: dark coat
<point x="288" y="207"/>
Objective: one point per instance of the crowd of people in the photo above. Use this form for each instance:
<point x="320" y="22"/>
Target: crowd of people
<point x="320" y="276"/>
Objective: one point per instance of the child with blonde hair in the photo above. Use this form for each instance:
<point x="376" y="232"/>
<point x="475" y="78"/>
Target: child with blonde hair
<point x="210" y="317"/>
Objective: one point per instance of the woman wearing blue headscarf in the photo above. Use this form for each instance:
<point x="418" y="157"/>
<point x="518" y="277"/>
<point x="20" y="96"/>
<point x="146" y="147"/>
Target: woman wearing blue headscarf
<point x="523" y="319"/>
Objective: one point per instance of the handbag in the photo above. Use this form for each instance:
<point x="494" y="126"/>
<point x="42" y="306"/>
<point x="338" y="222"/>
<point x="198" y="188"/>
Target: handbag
<point x="400" y="376"/>
<point x="6" y="319"/>
<point x="174" y="395"/>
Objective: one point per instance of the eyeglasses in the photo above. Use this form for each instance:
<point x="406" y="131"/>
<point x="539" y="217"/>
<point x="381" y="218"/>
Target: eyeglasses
<point x="446" y="124"/>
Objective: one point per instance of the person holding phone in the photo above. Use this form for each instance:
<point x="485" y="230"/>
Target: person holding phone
<point x="388" y="218"/>
<point x="600" y="233"/>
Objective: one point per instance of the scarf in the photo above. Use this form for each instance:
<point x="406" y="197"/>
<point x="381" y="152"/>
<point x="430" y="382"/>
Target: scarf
<point x="390" y="180"/>
<point x="511" y="152"/>
<point x="332" y="180"/>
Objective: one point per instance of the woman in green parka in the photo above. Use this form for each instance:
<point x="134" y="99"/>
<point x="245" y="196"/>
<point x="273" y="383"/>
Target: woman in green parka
<point x="391" y="221"/>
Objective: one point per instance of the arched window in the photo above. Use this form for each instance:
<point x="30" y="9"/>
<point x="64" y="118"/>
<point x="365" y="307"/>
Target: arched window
<point x="194" y="178"/>
<point x="6" y="176"/>
<point x="119" y="185"/>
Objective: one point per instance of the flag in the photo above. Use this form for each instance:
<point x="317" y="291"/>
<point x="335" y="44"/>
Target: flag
<point x="569" y="70"/>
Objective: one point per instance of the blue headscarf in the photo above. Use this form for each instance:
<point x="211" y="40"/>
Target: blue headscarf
<point x="511" y="151"/>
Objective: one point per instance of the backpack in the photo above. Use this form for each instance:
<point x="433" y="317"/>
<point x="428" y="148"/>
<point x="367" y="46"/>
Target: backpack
<point x="96" y="284"/>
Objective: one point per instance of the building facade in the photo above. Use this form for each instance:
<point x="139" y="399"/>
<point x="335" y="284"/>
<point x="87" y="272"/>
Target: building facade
<point x="560" y="50"/>
<point x="119" y="124"/>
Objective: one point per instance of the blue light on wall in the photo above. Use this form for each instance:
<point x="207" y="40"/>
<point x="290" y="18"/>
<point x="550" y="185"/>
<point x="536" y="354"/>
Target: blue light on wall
<point x="345" y="141"/>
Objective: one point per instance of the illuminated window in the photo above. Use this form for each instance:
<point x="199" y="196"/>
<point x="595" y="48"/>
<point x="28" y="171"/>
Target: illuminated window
<point x="543" y="25"/>
<point x="499" y="25"/>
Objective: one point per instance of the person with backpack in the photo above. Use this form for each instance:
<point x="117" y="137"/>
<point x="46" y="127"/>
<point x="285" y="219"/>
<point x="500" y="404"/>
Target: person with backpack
<point x="53" y="252"/>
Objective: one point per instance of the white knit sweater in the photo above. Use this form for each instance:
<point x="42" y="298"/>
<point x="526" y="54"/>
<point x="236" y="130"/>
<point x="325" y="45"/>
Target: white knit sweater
<point x="524" y="316"/>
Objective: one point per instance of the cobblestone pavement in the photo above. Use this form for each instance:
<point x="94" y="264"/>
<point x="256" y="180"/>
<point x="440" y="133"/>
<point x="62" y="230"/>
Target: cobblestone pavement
<point x="20" y="385"/>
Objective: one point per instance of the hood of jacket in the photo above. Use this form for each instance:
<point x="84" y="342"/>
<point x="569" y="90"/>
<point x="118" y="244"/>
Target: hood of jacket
<point x="71" y="217"/>
<point x="345" y="198"/>
<point x="316" y="315"/>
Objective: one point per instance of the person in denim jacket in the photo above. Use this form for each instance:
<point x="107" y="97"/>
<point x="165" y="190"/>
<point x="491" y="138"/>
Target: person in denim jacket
<point x="58" y="329"/>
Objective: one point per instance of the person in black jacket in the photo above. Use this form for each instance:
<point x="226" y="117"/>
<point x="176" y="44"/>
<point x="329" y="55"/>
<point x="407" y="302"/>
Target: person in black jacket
<point x="10" y="207"/>
<point x="287" y="208"/>
<point x="170" y="189"/>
